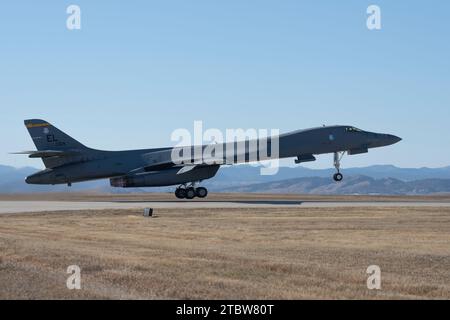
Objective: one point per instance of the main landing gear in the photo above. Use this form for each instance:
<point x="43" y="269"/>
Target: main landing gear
<point x="337" y="164"/>
<point x="190" y="192"/>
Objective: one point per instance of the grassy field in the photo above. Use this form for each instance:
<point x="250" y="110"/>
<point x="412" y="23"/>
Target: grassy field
<point x="280" y="253"/>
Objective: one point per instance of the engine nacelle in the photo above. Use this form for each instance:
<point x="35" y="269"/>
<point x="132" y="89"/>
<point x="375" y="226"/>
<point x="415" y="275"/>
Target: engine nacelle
<point x="164" y="178"/>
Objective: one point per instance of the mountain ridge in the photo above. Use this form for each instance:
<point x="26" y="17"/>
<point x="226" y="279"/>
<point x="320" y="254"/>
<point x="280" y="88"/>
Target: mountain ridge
<point x="353" y="185"/>
<point x="378" y="179"/>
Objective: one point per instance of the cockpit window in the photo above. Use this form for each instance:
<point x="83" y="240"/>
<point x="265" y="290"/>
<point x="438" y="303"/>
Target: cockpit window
<point x="352" y="129"/>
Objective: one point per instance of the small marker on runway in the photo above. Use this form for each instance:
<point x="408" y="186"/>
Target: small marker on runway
<point x="148" y="212"/>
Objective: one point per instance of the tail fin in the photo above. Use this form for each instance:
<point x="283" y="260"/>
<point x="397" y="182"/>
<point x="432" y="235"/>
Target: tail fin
<point x="54" y="146"/>
<point x="47" y="137"/>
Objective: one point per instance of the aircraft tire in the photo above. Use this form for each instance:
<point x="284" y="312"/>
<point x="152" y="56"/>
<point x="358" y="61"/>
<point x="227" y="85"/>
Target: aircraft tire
<point x="180" y="193"/>
<point x="201" y="192"/>
<point x="190" y="193"/>
<point x="338" y="177"/>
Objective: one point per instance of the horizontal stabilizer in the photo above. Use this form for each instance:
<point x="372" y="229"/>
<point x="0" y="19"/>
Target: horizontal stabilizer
<point x="48" y="153"/>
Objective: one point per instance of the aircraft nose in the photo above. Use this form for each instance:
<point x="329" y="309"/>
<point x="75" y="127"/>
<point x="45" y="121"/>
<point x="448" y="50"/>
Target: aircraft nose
<point x="388" y="139"/>
<point x="394" y="139"/>
<point x="382" y="139"/>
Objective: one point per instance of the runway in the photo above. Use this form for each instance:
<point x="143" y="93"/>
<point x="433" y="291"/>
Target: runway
<point x="42" y="206"/>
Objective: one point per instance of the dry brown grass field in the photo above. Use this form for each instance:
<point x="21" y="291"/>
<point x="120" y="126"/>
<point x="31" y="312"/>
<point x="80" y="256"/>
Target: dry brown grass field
<point x="267" y="253"/>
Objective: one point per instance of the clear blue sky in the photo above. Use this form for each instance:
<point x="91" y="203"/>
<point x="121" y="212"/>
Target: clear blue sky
<point x="137" y="70"/>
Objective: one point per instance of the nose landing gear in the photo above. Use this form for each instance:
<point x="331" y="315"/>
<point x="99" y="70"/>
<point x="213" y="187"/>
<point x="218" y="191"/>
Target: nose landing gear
<point x="338" y="177"/>
<point x="337" y="164"/>
<point x="190" y="192"/>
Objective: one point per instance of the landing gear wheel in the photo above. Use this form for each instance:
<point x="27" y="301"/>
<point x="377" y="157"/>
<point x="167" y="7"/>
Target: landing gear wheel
<point x="190" y="193"/>
<point x="337" y="164"/>
<point x="201" y="192"/>
<point x="180" y="193"/>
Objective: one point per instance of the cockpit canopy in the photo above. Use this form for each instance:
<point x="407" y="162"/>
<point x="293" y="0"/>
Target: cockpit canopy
<point x="352" y="129"/>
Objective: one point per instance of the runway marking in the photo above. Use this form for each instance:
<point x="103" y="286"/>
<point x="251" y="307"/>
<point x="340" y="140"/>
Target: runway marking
<point x="41" y="206"/>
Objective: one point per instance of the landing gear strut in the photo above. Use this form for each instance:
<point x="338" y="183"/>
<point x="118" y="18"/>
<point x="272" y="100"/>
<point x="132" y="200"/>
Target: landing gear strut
<point x="190" y="192"/>
<point x="337" y="164"/>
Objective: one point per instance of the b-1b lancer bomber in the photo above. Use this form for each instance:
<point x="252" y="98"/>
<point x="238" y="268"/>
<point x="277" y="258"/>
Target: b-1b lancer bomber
<point x="68" y="161"/>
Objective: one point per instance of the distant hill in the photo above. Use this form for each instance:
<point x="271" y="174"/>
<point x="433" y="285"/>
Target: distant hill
<point x="357" y="184"/>
<point x="384" y="179"/>
<point x="251" y="174"/>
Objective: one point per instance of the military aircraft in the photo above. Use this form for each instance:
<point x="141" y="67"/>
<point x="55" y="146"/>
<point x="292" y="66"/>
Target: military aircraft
<point x="68" y="161"/>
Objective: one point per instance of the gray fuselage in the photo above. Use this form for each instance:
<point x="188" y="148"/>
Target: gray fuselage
<point x="96" y="164"/>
